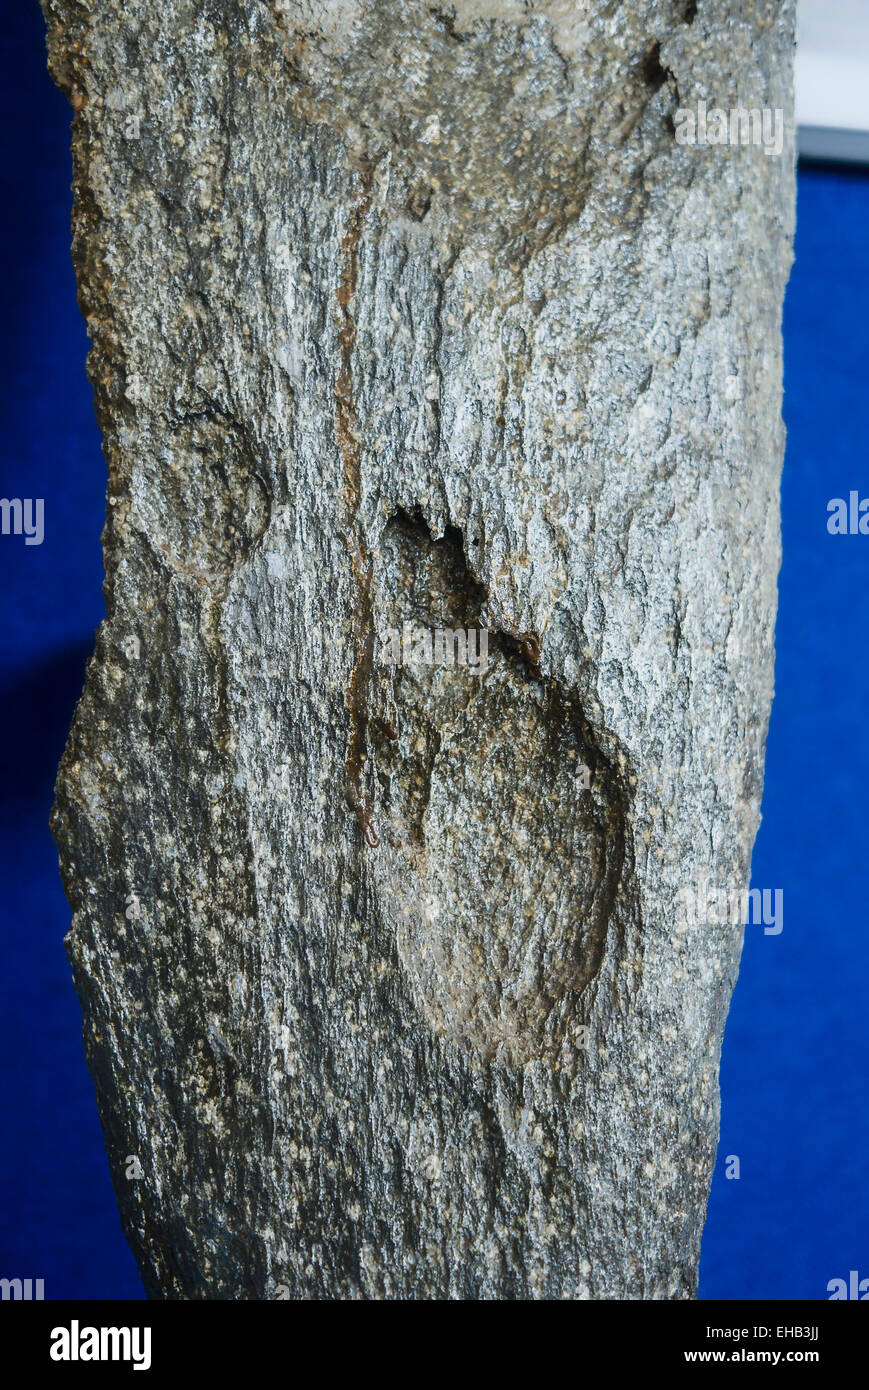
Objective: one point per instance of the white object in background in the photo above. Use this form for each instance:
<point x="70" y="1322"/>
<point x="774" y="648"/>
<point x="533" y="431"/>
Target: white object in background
<point x="832" y="80"/>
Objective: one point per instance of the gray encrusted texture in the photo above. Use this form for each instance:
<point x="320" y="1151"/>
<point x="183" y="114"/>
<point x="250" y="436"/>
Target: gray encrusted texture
<point x="418" y="312"/>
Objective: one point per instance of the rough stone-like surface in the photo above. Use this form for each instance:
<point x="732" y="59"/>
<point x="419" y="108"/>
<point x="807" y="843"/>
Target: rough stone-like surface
<point x="419" y="312"/>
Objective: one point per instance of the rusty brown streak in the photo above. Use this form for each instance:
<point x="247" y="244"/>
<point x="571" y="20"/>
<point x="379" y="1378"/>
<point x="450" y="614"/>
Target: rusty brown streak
<point x="347" y="440"/>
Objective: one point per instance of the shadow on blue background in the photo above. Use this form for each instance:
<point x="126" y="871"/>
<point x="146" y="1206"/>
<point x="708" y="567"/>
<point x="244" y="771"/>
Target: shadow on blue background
<point x="793" y="1073"/>
<point x="793" y="1068"/>
<point x="58" y="1217"/>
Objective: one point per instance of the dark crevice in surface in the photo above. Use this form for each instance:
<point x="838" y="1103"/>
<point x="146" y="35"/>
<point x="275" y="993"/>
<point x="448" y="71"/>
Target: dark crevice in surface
<point x="654" y="74"/>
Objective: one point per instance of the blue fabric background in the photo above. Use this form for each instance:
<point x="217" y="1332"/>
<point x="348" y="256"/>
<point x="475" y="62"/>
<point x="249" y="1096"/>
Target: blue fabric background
<point x="793" y="1072"/>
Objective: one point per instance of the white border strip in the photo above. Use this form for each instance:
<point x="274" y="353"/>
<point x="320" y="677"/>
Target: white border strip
<point x="832" y="101"/>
